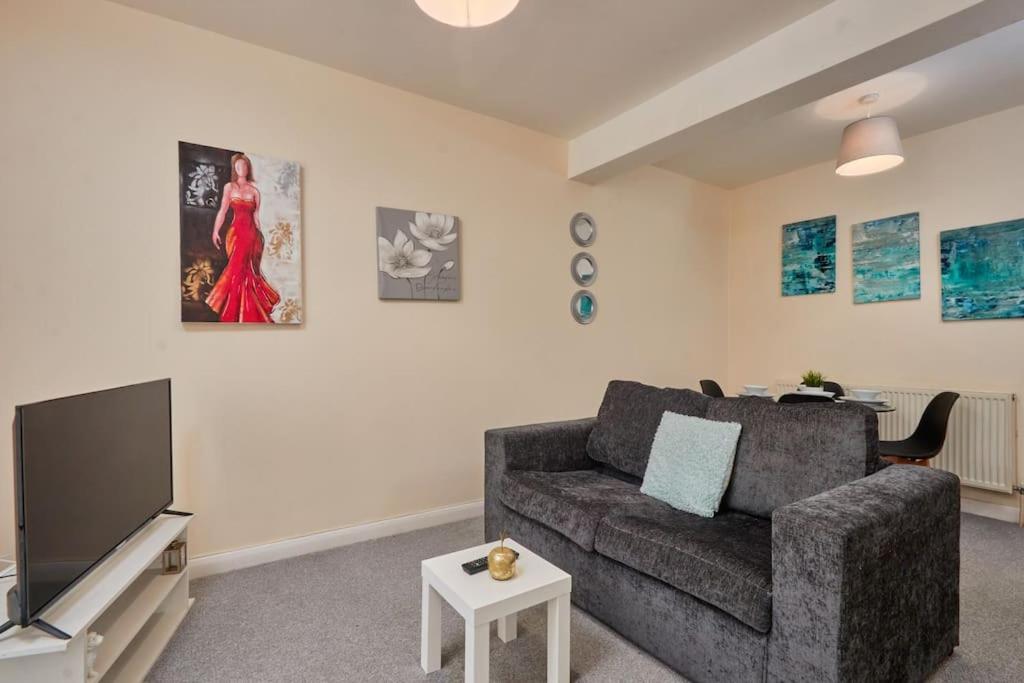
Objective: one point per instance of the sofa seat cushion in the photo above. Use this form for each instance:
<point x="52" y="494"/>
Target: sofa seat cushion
<point x="725" y="560"/>
<point x="629" y="417"/>
<point x="571" y="503"/>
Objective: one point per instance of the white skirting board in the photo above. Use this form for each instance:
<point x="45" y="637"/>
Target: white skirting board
<point x="219" y="563"/>
<point x="1003" y="513"/>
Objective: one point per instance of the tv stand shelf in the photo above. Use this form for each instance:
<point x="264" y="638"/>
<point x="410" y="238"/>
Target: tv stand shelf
<point x="126" y="599"/>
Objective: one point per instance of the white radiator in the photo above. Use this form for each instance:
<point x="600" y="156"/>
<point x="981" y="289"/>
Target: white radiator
<point x="981" y="443"/>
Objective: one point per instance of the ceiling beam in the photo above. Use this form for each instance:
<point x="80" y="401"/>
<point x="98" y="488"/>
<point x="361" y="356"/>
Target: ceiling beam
<point x="844" y="43"/>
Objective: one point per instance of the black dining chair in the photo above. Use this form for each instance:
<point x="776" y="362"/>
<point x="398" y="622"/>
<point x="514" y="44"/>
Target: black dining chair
<point x="803" y="397"/>
<point x="835" y="387"/>
<point x="929" y="436"/>
<point x="710" y="388"/>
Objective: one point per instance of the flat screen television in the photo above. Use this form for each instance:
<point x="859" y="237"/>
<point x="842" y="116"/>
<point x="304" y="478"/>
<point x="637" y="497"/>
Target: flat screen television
<point x="90" y="471"/>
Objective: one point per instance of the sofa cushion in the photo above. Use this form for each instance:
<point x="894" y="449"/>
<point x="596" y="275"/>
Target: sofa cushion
<point x="790" y="452"/>
<point x="628" y="419"/>
<point x="571" y="503"/>
<point x="691" y="462"/>
<point x="725" y="560"/>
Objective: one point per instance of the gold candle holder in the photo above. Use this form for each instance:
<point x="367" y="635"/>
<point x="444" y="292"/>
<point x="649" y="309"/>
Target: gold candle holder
<point x="175" y="557"/>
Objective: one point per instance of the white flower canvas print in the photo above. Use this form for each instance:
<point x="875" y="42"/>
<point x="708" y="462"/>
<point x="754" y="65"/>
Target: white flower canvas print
<point x="417" y="255"/>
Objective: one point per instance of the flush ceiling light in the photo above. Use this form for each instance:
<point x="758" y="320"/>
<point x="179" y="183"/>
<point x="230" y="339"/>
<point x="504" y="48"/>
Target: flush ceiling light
<point x="871" y="145"/>
<point x="467" y="13"/>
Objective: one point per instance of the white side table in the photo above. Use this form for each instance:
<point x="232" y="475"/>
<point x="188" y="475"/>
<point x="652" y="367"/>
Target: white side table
<point x="481" y="600"/>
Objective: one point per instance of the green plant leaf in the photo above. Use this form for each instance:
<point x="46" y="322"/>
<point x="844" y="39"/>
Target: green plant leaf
<point x="813" y="378"/>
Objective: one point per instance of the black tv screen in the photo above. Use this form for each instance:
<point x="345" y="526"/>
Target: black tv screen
<point x="91" y="470"/>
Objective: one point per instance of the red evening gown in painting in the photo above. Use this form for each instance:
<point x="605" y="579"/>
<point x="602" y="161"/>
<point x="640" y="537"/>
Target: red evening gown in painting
<point x="241" y="294"/>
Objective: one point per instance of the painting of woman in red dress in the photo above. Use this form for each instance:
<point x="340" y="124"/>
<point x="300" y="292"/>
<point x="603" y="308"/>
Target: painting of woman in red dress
<point x="241" y="294"/>
<point x="232" y="272"/>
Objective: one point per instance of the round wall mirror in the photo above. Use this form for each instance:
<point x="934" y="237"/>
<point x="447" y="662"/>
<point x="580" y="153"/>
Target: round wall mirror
<point x="584" y="307"/>
<point x="584" y="269"/>
<point x="583" y="229"/>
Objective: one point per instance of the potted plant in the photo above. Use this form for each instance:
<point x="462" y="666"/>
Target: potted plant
<point x="812" y="380"/>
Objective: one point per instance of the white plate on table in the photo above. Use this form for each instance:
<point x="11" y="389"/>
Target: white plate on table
<point x="816" y="392"/>
<point x="746" y="395"/>
<point x="870" y="402"/>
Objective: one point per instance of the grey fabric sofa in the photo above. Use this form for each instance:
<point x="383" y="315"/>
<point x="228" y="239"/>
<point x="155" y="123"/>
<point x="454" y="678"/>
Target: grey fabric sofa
<point x="822" y="564"/>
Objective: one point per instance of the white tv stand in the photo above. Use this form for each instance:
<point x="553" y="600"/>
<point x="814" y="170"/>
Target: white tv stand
<point x="126" y="599"/>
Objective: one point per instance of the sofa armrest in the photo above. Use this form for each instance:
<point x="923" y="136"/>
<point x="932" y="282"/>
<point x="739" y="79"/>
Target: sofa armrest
<point x="866" y="579"/>
<point x="546" y="447"/>
<point x="549" y="447"/>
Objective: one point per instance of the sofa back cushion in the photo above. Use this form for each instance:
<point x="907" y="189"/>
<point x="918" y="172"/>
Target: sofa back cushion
<point x="628" y="419"/>
<point x="790" y="452"/>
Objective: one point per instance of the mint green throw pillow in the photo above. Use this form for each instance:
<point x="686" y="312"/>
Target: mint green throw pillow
<point x="691" y="462"/>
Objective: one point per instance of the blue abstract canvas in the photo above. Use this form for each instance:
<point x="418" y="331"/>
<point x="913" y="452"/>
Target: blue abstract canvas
<point x="887" y="259"/>
<point x="809" y="257"/>
<point x="983" y="271"/>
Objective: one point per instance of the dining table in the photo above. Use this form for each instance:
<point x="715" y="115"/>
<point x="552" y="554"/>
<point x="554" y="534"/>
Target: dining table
<point x="877" y="407"/>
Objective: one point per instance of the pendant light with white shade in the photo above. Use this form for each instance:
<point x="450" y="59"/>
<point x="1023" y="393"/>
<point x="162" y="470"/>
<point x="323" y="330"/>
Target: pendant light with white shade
<point x="467" y="13"/>
<point x="870" y="145"/>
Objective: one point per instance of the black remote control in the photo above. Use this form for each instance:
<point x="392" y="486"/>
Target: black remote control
<point x="475" y="567"/>
<point x="478" y="565"/>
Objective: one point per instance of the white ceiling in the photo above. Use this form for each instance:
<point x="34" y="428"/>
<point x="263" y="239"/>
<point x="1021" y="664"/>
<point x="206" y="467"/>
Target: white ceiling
<point x="558" y="66"/>
<point x="975" y="78"/>
<point x="566" y="66"/>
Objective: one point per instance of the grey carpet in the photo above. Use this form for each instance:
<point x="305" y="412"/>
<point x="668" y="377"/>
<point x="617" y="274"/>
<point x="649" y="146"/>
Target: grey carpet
<point x="352" y="614"/>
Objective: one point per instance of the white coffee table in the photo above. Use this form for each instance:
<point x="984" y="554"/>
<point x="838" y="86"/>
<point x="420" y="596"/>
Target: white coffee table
<point x="481" y="600"/>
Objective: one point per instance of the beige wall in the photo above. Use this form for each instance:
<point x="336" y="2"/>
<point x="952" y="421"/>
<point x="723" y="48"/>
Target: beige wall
<point x="370" y="409"/>
<point x="968" y="174"/>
